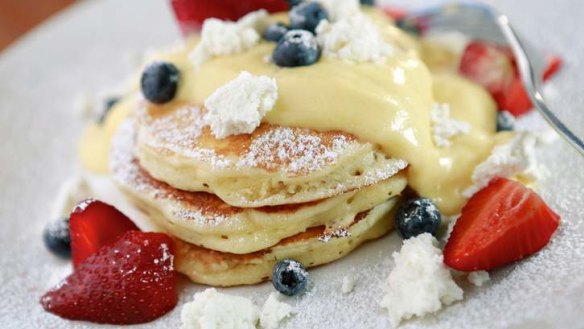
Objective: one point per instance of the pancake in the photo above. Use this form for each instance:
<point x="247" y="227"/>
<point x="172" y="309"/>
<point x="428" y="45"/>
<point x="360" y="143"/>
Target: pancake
<point x="310" y="248"/>
<point x="274" y="165"/>
<point x="205" y="220"/>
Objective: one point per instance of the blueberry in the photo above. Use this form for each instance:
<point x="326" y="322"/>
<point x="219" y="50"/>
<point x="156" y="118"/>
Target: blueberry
<point x="57" y="239"/>
<point x="289" y="277"/>
<point x="296" y="48"/>
<point x="417" y="216"/>
<point x="293" y="3"/>
<point x="505" y="121"/>
<point x="108" y="104"/>
<point x="408" y="25"/>
<point x="275" y="32"/>
<point x="159" y="82"/>
<point x="368" y="2"/>
<point x="307" y="16"/>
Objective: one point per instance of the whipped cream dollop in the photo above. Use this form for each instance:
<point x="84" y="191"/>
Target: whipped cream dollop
<point x="420" y="283"/>
<point x="239" y="106"/>
<point x="220" y="38"/>
<point x="514" y="158"/>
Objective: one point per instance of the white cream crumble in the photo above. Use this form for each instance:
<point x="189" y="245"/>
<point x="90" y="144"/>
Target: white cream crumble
<point x="220" y="38"/>
<point x="444" y="127"/>
<point x="420" y="282"/>
<point x="348" y="285"/>
<point x="73" y="191"/>
<point x="211" y="310"/>
<point x="338" y="9"/>
<point x="514" y="158"/>
<point x="353" y="38"/>
<point x="478" y="278"/>
<point x="274" y="311"/>
<point x="454" y="41"/>
<point x="239" y="106"/>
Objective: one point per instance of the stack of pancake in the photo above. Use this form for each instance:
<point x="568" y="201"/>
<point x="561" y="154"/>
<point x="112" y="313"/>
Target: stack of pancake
<point x="238" y="205"/>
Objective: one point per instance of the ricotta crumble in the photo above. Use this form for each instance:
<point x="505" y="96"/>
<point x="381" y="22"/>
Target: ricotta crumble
<point x="274" y="311"/>
<point x="348" y="285"/>
<point x="211" y="309"/>
<point x="445" y="128"/>
<point x="338" y="9"/>
<point x="514" y="158"/>
<point x="420" y="283"/>
<point x="220" y="38"/>
<point x="239" y="106"/>
<point x="353" y="38"/>
<point x="478" y="278"/>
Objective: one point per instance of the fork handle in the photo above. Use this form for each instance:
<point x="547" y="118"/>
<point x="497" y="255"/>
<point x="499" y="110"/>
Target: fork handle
<point x="532" y="82"/>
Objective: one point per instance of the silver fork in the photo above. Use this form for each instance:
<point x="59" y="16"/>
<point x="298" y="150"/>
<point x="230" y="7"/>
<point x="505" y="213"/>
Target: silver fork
<point x="483" y="22"/>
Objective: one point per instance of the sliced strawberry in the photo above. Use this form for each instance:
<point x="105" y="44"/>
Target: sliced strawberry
<point x="554" y="65"/>
<point x="191" y="14"/>
<point x="394" y="12"/>
<point x="130" y="281"/>
<point x="515" y="99"/>
<point x="94" y="224"/>
<point x="488" y="65"/>
<point x="502" y="223"/>
<point x="494" y="68"/>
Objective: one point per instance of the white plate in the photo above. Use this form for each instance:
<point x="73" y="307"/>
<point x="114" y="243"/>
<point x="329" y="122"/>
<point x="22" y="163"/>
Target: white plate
<point x="86" y="49"/>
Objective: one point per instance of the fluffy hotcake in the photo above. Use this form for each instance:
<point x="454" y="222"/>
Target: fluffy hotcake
<point x="274" y="165"/>
<point x="205" y="220"/>
<point x="311" y="248"/>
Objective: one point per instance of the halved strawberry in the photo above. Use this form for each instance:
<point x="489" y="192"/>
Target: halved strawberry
<point x="191" y="14"/>
<point x="395" y="13"/>
<point x="502" y="223"/>
<point x="553" y="66"/>
<point x="130" y="281"/>
<point x="94" y="224"/>
<point x="515" y="99"/>
<point x="488" y="65"/>
<point x="494" y="68"/>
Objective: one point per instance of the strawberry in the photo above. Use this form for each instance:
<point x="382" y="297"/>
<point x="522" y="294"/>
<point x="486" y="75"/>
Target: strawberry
<point x="501" y="224"/>
<point x="395" y="13"/>
<point x="494" y="68"/>
<point x="130" y="281"/>
<point x="94" y="224"/>
<point x="190" y="14"/>
<point x="488" y="65"/>
<point x="554" y="65"/>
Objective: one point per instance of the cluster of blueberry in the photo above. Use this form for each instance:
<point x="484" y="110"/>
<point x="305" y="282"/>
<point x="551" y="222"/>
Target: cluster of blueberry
<point x="415" y="216"/>
<point x="297" y="44"/>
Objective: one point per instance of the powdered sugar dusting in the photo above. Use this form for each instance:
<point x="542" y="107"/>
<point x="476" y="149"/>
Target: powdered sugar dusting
<point x="179" y="132"/>
<point x="301" y="152"/>
<point x="126" y="171"/>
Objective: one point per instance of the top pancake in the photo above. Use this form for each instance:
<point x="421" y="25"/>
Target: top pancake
<point x="274" y="165"/>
